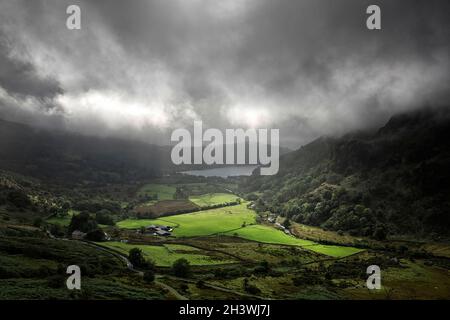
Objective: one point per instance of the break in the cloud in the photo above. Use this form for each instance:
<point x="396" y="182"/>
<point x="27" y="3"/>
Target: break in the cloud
<point x="141" y="68"/>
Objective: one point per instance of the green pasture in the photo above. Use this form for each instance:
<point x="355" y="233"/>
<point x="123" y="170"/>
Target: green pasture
<point x="210" y="199"/>
<point x="267" y="234"/>
<point x="200" y="223"/>
<point x="165" y="255"/>
<point x="230" y="221"/>
<point x="63" y="221"/>
<point x="164" y="192"/>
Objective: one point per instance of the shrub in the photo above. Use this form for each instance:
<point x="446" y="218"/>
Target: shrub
<point x="96" y="235"/>
<point x="262" y="268"/>
<point x="287" y="223"/>
<point x="252" y="289"/>
<point x="149" y="276"/>
<point x="181" y="268"/>
<point x="136" y="257"/>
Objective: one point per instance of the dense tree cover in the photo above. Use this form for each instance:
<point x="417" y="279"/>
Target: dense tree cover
<point x="104" y="217"/>
<point x="93" y="206"/>
<point x="395" y="180"/>
<point x="82" y="222"/>
<point x="18" y="199"/>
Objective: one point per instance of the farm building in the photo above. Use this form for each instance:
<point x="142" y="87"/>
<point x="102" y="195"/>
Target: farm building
<point x="159" y="230"/>
<point x="162" y="233"/>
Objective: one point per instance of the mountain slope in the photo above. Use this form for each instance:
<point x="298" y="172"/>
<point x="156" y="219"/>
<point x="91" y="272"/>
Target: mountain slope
<point x="393" y="181"/>
<point x="66" y="157"/>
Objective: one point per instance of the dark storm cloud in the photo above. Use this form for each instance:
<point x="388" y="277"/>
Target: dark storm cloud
<point x="310" y="68"/>
<point x="20" y="77"/>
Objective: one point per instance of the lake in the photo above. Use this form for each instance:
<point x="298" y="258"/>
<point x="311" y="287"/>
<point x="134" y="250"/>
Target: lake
<point x="225" y="172"/>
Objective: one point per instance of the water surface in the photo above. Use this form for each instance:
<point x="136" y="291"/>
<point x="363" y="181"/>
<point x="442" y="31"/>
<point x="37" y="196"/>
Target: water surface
<point x="225" y="172"/>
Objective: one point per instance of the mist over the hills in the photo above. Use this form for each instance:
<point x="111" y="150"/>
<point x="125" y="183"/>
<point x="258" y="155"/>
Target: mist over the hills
<point x="139" y="69"/>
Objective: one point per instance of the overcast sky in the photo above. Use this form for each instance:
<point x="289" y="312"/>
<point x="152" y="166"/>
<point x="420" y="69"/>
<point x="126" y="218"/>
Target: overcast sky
<point x="139" y="69"/>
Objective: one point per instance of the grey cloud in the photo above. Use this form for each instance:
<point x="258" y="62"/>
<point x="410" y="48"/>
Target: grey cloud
<point x="311" y="65"/>
<point x="20" y="77"/>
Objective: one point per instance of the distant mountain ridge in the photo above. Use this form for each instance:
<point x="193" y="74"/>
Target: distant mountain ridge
<point x="64" y="156"/>
<point x="57" y="155"/>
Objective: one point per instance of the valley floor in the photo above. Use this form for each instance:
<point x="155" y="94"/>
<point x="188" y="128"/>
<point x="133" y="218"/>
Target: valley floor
<point x="233" y="252"/>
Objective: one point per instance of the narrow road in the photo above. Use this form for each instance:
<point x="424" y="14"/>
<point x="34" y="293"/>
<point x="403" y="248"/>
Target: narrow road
<point x="130" y="267"/>
<point x="212" y="286"/>
<point x="172" y="290"/>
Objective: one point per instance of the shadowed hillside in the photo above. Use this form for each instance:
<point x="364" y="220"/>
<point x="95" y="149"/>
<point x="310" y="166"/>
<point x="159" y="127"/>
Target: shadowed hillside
<point x="54" y="155"/>
<point x="393" y="181"/>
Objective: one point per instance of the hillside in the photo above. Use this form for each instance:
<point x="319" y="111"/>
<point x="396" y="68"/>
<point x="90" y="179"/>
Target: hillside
<point x="62" y="157"/>
<point x="392" y="181"/>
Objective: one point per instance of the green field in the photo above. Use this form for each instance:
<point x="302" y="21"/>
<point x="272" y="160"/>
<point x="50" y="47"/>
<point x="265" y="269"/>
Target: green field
<point x="164" y="192"/>
<point x="165" y="255"/>
<point x="268" y="234"/>
<point x="210" y="199"/>
<point x="200" y="223"/>
<point x="229" y="221"/>
<point x="63" y="221"/>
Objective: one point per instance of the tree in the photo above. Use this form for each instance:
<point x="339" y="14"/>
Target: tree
<point x="82" y="222"/>
<point x="181" y="193"/>
<point x="380" y="233"/>
<point x="181" y="268"/>
<point x="96" y="235"/>
<point x="136" y="257"/>
<point x="103" y="217"/>
<point x="149" y="276"/>
<point x="249" y="287"/>
<point x="287" y="223"/>
<point x="56" y="230"/>
<point x="37" y="222"/>
<point x="66" y="205"/>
